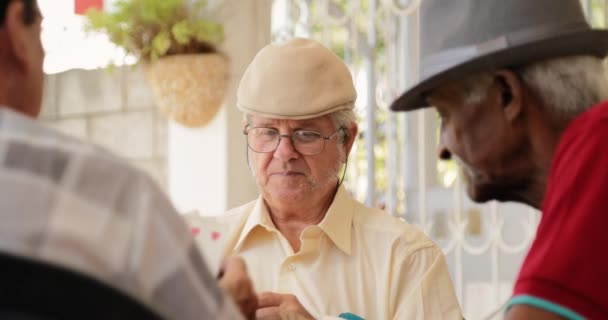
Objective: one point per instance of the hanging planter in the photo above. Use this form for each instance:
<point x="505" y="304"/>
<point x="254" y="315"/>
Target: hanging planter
<point x="189" y="88"/>
<point x="176" y="40"/>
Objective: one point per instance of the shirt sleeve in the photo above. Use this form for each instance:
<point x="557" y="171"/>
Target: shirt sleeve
<point x="422" y="287"/>
<point x="97" y="215"/>
<point x="564" y="271"/>
<point x="185" y="289"/>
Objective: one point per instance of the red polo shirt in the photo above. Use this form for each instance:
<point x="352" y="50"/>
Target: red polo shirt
<point x="566" y="270"/>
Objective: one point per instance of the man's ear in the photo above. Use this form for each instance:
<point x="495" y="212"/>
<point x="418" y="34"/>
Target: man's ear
<point x="511" y="94"/>
<point x="16" y="35"/>
<point x="351" y="135"/>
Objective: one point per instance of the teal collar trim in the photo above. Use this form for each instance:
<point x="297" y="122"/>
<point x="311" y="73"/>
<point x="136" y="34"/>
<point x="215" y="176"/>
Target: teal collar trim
<point x="349" y="316"/>
<point x="545" y="305"/>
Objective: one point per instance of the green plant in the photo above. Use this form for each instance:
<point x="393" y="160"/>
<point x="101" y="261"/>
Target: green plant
<point x="150" y="29"/>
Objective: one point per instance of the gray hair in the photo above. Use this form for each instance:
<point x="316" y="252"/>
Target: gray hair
<point x="566" y="86"/>
<point x="343" y="118"/>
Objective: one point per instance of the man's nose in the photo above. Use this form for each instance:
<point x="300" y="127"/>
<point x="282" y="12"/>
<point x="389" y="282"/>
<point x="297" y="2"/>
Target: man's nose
<point x="285" y="151"/>
<point x="442" y="150"/>
<point x="444" y="154"/>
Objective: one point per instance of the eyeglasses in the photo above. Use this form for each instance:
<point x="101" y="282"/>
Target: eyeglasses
<point x="306" y="142"/>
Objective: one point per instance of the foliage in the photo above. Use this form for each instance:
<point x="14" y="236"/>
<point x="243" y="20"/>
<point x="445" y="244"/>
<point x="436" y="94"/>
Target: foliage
<point x="597" y="13"/>
<point x="150" y="29"/>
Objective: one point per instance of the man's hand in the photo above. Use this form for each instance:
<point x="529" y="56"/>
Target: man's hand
<point x="235" y="281"/>
<point x="280" y="306"/>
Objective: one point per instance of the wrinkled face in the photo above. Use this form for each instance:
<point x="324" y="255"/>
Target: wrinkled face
<point x="484" y="140"/>
<point x="287" y="175"/>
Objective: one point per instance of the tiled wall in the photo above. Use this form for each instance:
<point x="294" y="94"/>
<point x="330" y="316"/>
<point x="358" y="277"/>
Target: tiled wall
<point x="114" y="109"/>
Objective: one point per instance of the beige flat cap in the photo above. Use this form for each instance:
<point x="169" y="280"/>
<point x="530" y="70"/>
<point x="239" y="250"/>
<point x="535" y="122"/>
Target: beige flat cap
<point x="300" y="79"/>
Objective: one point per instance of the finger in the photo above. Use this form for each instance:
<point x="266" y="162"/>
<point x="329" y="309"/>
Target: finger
<point x="267" y="313"/>
<point x="270" y="299"/>
<point x="235" y="262"/>
<point x="249" y="307"/>
<point x="244" y="297"/>
<point x="222" y="270"/>
<point x="245" y="293"/>
<point x="232" y="266"/>
<point x="241" y="288"/>
<point x="251" y="297"/>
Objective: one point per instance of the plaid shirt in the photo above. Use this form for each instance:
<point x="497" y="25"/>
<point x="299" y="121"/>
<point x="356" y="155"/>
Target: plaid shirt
<point x="68" y="203"/>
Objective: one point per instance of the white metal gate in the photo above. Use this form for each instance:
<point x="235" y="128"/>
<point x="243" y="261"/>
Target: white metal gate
<point x="393" y="165"/>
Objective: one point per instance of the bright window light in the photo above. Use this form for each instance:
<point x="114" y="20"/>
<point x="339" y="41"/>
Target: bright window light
<point x="68" y="46"/>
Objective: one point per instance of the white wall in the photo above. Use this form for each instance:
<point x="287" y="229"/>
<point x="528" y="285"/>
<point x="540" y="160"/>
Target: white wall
<point x="197" y="166"/>
<point x="112" y="109"/>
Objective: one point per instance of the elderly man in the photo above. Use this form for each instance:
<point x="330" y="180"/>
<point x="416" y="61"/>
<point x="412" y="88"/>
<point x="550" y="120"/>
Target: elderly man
<point x="520" y="87"/>
<point x="313" y="250"/>
<point x="73" y="211"/>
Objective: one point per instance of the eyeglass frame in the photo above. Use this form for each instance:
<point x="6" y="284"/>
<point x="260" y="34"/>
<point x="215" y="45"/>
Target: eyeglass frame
<point x="290" y="136"/>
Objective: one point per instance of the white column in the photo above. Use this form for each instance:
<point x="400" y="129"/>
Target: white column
<point x="207" y="166"/>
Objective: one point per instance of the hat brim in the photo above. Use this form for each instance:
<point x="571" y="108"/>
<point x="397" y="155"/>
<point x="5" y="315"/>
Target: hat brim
<point x="591" y="42"/>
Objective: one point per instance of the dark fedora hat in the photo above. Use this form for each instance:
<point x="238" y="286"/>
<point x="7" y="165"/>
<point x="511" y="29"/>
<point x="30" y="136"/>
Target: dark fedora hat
<point x="462" y="37"/>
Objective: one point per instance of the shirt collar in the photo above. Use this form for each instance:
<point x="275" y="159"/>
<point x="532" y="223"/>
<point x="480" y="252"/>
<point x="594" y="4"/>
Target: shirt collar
<point x="259" y="217"/>
<point x="337" y="223"/>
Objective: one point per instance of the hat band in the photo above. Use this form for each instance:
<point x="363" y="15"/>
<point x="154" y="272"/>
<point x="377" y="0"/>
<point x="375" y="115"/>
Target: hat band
<point x="439" y="62"/>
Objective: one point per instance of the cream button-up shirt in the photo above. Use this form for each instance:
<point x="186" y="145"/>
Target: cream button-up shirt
<point x="358" y="260"/>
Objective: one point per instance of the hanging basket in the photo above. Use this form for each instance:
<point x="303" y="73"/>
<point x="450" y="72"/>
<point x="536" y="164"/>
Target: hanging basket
<point x="189" y="88"/>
